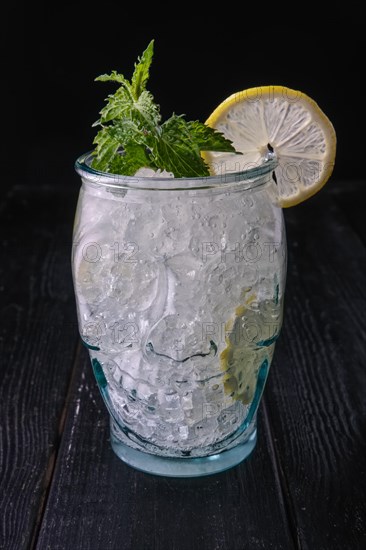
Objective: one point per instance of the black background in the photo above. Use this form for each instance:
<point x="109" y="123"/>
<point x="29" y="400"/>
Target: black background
<point x="63" y="487"/>
<point x="198" y="62"/>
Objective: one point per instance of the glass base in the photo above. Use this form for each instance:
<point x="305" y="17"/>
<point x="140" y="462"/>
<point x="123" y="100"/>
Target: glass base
<point x="183" y="467"/>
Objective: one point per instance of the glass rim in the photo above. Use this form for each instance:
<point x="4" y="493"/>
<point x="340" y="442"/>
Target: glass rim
<point x="249" y="178"/>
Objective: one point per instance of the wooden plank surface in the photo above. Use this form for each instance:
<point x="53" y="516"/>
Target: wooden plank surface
<point x="96" y="502"/>
<point x="37" y="342"/>
<point x="316" y="394"/>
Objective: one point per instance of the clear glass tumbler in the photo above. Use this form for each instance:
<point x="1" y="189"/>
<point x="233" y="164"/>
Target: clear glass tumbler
<point x="179" y="287"/>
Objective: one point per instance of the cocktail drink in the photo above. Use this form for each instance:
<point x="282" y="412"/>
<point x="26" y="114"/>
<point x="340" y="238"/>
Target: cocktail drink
<point x="180" y="292"/>
<point x="179" y="284"/>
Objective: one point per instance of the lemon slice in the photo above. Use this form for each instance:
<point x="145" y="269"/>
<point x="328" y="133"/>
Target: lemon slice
<point x="240" y="360"/>
<point x="275" y="119"/>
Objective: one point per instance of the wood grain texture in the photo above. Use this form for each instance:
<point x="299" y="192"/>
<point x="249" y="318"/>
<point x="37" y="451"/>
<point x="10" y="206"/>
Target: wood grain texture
<point x="316" y="392"/>
<point x="98" y="503"/>
<point x="37" y="343"/>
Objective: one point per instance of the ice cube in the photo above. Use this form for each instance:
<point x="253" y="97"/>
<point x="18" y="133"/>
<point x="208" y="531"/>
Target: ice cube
<point x="151" y="173"/>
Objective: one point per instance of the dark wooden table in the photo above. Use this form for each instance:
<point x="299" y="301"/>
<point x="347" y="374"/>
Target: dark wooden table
<point x="62" y="487"/>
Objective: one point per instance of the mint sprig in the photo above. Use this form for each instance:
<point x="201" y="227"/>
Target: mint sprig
<point x="132" y="136"/>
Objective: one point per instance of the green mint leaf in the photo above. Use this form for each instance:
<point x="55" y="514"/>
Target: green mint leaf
<point x="176" y="151"/>
<point x="118" y="106"/>
<point x="112" y="140"/>
<point x="209" y="139"/>
<point x="146" y="111"/>
<point x="114" y="77"/>
<point x="121" y="105"/>
<point x="127" y="131"/>
<point x="106" y="150"/>
<point x="134" y="157"/>
<point x="141" y="73"/>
